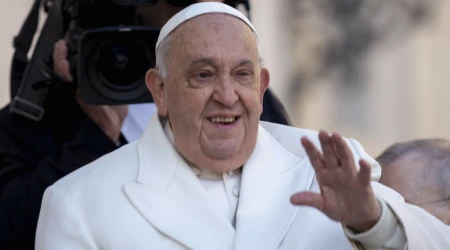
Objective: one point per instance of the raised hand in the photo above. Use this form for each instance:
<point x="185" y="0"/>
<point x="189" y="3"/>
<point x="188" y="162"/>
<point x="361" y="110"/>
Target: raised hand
<point x="346" y="194"/>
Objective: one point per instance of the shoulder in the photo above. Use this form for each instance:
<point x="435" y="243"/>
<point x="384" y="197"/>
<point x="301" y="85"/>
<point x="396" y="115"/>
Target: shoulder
<point x="386" y="192"/>
<point x="109" y="171"/>
<point x="289" y="137"/>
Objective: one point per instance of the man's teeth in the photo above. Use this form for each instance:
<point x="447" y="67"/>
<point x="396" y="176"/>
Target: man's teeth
<point x="223" y="119"/>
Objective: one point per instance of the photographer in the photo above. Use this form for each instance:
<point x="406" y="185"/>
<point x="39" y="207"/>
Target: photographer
<point x="71" y="134"/>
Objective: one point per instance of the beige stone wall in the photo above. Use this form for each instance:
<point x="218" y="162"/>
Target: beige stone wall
<point x="403" y="95"/>
<point x="12" y="14"/>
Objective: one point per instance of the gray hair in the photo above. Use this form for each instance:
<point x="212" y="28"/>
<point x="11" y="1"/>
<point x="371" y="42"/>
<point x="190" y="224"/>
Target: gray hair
<point x="163" y="51"/>
<point x="433" y="148"/>
<point x="434" y="157"/>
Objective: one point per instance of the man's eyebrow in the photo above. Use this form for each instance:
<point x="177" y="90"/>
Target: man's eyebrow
<point x="246" y="62"/>
<point x="207" y="60"/>
<point x="204" y="60"/>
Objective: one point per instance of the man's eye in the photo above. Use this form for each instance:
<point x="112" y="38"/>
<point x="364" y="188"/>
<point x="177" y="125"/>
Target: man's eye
<point x="243" y="73"/>
<point x="244" y="77"/>
<point x="203" y="75"/>
<point x="201" y="78"/>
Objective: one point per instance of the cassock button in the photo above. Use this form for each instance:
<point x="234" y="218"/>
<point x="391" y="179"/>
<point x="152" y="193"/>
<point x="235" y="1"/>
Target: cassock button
<point x="236" y="192"/>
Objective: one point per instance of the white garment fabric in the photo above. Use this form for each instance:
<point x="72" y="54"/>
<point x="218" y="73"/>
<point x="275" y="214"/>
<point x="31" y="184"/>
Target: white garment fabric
<point x="137" y="120"/>
<point x="223" y="188"/>
<point x="145" y="196"/>
<point x="386" y="233"/>
<point x="225" y="193"/>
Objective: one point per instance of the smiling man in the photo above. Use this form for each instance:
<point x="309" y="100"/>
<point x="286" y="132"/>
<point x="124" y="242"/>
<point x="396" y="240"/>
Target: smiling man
<point x="207" y="174"/>
<point x="210" y="90"/>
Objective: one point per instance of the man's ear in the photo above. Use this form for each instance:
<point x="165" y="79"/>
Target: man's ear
<point x="156" y="86"/>
<point x="264" y="79"/>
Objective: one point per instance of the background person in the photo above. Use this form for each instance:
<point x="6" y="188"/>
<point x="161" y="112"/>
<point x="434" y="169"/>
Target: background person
<point x="420" y="171"/>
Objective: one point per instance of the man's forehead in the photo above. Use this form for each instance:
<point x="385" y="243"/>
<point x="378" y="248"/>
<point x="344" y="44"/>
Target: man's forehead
<point x="204" y="41"/>
<point x="196" y="10"/>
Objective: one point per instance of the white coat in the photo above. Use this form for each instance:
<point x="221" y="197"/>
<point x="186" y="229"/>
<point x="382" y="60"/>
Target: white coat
<point x="145" y="196"/>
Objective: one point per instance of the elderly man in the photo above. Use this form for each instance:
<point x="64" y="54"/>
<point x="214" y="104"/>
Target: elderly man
<point x="207" y="174"/>
<point x="73" y="133"/>
<point x="420" y="171"/>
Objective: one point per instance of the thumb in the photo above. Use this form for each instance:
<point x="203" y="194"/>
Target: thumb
<point x="60" y="62"/>
<point x="308" y="199"/>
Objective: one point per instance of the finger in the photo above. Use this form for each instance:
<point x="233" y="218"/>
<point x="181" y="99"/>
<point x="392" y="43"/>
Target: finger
<point x="62" y="56"/>
<point x="329" y="153"/>
<point x="343" y="152"/>
<point x="57" y="55"/>
<point x="364" y="172"/>
<point x="314" y="155"/>
<point x="65" y="67"/>
<point x="55" y="51"/>
<point x="61" y="64"/>
<point x="308" y="199"/>
<point x="62" y="49"/>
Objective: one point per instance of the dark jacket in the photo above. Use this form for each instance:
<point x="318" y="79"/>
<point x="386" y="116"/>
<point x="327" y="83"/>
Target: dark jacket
<point x="34" y="155"/>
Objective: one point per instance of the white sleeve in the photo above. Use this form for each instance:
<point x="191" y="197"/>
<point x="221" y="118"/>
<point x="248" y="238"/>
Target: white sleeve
<point x="386" y="234"/>
<point x="403" y="222"/>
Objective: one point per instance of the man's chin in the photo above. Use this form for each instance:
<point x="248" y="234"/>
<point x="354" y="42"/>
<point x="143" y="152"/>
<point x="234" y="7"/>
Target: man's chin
<point x="221" y="161"/>
<point x="221" y="154"/>
<point x="222" y="149"/>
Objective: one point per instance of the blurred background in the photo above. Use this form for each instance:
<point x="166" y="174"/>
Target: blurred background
<point x="374" y="70"/>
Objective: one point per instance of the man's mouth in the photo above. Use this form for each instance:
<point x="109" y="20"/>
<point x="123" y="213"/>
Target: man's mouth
<point x="223" y="120"/>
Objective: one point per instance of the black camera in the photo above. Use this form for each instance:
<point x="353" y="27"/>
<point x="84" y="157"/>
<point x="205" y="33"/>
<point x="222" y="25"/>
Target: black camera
<point x="112" y="63"/>
<point x="109" y="57"/>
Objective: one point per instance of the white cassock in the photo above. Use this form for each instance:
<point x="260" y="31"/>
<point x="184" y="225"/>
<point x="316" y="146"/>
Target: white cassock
<point x="145" y="196"/>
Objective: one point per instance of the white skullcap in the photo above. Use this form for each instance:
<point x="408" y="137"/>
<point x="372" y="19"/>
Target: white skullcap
<point x="198" y="9"/>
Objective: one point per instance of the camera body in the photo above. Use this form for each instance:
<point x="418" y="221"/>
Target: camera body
<point x="109" y="57"/>
<point x="112" y="62"/>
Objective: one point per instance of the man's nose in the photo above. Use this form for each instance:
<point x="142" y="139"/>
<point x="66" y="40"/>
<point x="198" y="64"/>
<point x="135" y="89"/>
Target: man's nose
<point x="225" y="93"/>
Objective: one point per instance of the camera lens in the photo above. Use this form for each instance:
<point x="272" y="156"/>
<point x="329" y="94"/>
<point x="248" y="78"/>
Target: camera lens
<point x="122" y="62"/>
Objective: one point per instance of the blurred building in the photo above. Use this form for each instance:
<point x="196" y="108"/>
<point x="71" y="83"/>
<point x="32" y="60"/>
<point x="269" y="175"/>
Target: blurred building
<point x="377" y="71"/>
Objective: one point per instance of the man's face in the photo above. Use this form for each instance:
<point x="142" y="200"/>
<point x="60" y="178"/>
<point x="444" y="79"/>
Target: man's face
<point x="213" y="91"/>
